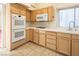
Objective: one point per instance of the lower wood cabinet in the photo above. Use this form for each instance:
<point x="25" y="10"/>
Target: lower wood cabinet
<point x="51" y="40"/>
<point x="64" y="44"/>
<point x="75" y="45"/>
<point x="36" y="36"/>
<point x="50" y="46"/>
<point x="29" y="35"/>
<point x="17" y="43"/>
<point x="42" y="38"/>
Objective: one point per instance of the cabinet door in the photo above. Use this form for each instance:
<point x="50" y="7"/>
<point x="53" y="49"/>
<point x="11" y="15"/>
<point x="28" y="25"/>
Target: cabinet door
<point x="63" y="45"/>
<point x="36" y="36"/>
<point x="33" y="16"/>
<point x="42" y="38"/>
<point x="38" y="11"/>
<point x="51" y="13"/>
<point x="75" y="47"/>
<point x="22" y="10"/>
<point x="28" y="15"/>
<point x="14" y="8"/>
<point x="29" y="35"/>
<point x="44" y="10"/>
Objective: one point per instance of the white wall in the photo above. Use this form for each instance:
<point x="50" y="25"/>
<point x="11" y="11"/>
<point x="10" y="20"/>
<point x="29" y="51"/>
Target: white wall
<point x="8" y="27"/>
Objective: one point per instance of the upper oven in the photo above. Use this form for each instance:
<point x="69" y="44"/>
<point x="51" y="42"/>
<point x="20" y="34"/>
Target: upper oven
<point x="18" y="21"/>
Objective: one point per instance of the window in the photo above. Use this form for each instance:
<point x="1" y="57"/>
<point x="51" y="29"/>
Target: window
<point x="77" y="17"/>
<point x="67" y="16"/>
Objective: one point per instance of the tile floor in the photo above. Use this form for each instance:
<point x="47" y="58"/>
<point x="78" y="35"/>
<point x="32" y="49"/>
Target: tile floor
<point x="30" y="49"/>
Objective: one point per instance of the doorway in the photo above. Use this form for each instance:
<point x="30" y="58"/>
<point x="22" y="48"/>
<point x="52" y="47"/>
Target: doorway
<point x="2" y="18"/>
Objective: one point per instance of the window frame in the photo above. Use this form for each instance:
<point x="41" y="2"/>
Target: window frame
<point x="65" y="9"/>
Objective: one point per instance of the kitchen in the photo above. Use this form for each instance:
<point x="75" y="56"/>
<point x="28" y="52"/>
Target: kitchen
<point x="42" y="27"/>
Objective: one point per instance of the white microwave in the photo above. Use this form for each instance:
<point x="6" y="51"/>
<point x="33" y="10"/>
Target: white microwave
<point x="18" y="22"/>
<point x="42" y="17"/>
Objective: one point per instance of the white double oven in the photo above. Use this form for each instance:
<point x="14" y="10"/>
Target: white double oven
<point x="18" y="27"/>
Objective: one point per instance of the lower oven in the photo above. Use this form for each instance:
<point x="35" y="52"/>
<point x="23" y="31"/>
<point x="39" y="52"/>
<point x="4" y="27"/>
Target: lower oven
<point x="18" y="34"/>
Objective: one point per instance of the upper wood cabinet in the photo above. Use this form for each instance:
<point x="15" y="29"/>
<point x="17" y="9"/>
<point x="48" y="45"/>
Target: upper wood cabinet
<point x="50" y="11"/>
<point x="33" y="16"/>
<point x="38" y="11"/>
<point x="22" y="10"/>
<point x="18" y="9"/>
<point x="14" y="8"/>
<point x="28" y="15"/>
<point x="44" y="10"/>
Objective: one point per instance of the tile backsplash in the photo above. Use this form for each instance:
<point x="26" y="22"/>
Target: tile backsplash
<point x="44" y="24"/>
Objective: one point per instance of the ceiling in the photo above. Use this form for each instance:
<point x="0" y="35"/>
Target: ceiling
<point x="35" y="6"/>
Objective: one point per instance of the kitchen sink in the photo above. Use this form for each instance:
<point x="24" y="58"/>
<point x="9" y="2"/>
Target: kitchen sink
<point x="41" y="27"/>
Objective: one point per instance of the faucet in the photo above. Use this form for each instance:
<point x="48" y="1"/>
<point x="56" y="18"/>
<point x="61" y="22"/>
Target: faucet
<point x="70" y="24"/>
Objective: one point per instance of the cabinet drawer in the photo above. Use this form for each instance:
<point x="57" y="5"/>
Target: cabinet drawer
<point x="51" y="37"/>
<point x="75" y="36"/>
<point x="64" y="35"/>
<point x="51" y="41"/>
<point x="41" y="31"/>
<point x="36" y="30"/>
<point x="64" y="38"/>
<point x="51" y="46"/>
<point x="51" y="33"/>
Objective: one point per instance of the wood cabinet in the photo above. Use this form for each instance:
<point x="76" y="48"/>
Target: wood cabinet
<point x="43" y="11"/>
<point x="64" y="43"/>
<point x="51" y="40"/>
<point x="22" y="10"/>
<point x="29" y="35"/>
<point x="50" y="11"/>
<point x="42" y="40"/>
<point x="28" y="15"/>
<point x="36" y="36"/>
<point x="17" y="44"/>
<point x="33" y="16"/>
<point x="18" y="9"/>
<point x="75" y="45"/>
<point x="38" y="11"/>
<point x="14" y="8"/>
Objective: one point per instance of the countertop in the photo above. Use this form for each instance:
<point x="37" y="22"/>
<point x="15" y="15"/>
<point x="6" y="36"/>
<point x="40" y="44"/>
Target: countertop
<point x="56" y="30"/>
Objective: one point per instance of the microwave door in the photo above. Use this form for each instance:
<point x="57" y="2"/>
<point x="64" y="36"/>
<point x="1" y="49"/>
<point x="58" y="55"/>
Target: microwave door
<point x="45" y="17"/>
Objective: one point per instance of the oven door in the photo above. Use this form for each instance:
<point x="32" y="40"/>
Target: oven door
<point x="18" y="22"/>
<point x="18" y="34"/>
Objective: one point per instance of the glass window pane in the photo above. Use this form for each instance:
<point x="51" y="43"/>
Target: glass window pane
<point x="66" y="16"/>
<point x="77" y="17"/>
